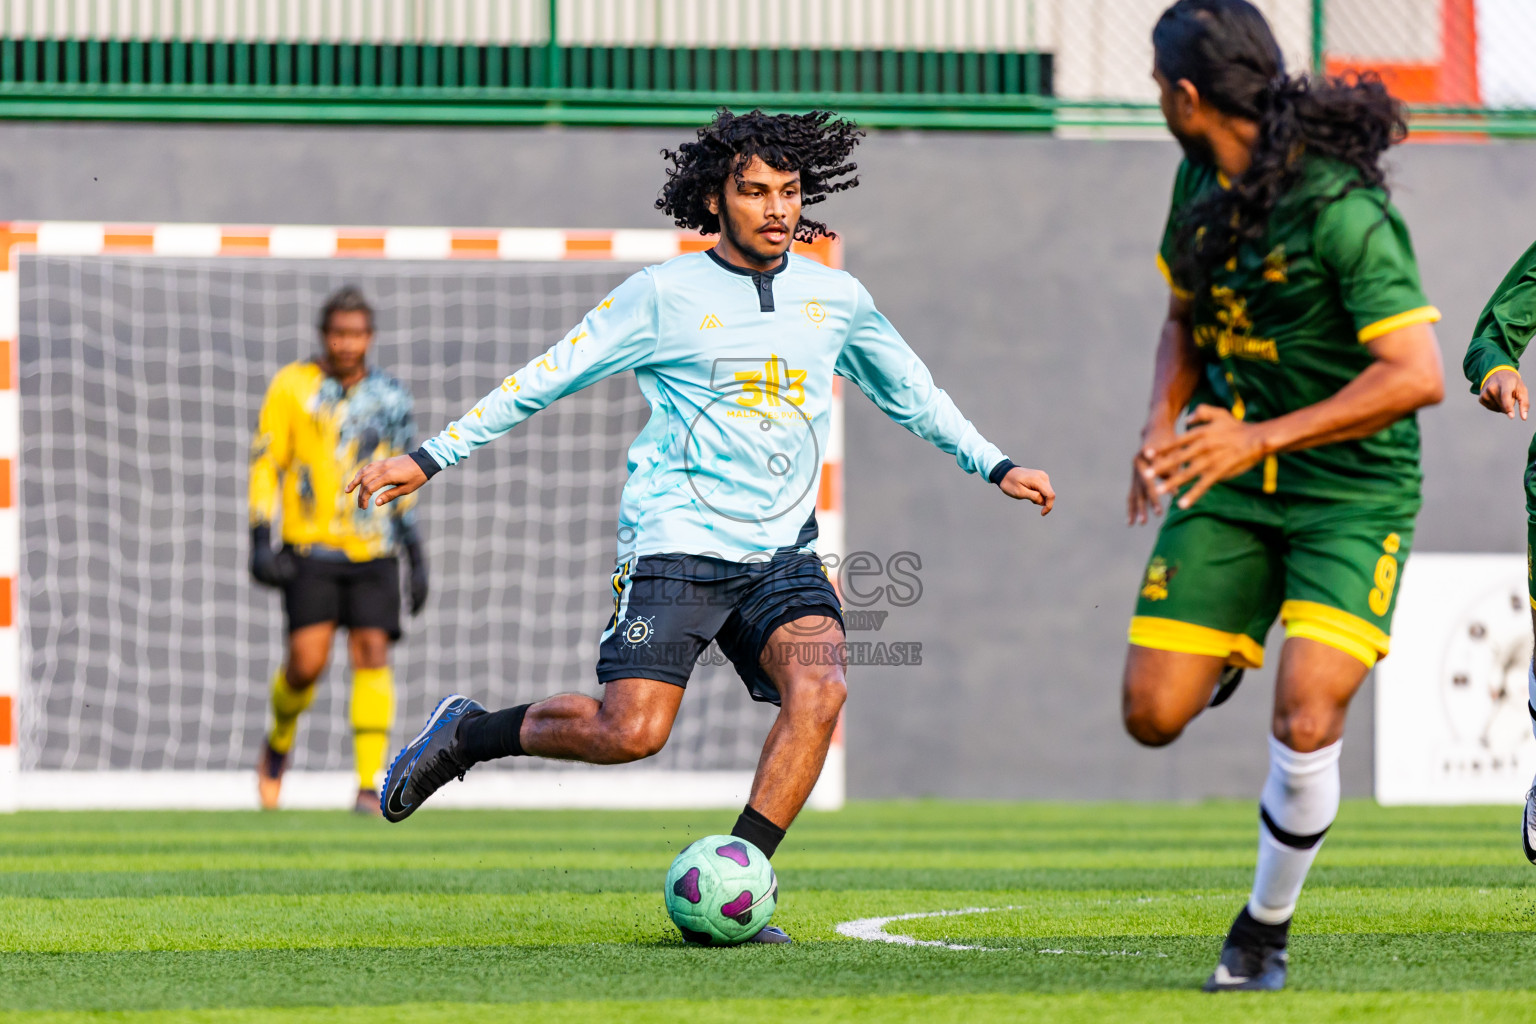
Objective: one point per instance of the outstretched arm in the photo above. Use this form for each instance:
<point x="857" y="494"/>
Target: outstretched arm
<point x="618" y="335"/>
<point x="879" y="361"/>
<point x="1492" y="362"/>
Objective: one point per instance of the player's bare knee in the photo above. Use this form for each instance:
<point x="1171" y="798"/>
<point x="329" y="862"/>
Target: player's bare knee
<point x="636" y="739"/>
<point x="1305" y="729"/>
<point x="301" y="673"/>
<point x="818" y="695"/>
<point x="370" y="649"/>
<point x="1149" y="717"/>
<point x="1152" y="726"/>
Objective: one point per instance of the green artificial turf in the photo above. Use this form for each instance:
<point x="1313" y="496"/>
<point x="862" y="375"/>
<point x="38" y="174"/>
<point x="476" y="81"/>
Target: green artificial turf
<point x="1090" y="913"/>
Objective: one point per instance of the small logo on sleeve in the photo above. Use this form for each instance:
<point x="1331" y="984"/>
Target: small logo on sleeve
<point x="710" y="321"/>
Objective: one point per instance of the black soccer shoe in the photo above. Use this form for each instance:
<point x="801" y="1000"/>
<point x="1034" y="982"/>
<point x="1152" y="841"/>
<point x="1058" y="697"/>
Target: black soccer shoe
<point x="1253" y="959"/>
<point x="1226" y="685"/>
<point x="428" y="761"/>
<point x="1528" y="826"/>
<point x="771" y="934"/>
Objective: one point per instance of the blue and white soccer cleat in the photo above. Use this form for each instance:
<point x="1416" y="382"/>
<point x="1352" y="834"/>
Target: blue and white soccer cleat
<point x="428" y="761"/>
<point x="771" y="934"/>
<point x="1528" y="831"/>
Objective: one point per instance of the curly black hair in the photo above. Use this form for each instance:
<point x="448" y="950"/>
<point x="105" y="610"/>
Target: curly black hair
<point x="816" y="144"/>
<point x="1225" y="49"/>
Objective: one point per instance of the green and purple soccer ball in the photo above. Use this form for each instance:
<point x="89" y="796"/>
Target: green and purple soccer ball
<point x="720" y="891"/>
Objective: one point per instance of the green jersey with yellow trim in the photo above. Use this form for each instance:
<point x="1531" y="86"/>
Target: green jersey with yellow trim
<point x="1284" y="324"/>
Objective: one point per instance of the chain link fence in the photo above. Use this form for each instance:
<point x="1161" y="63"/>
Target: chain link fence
<point x="1462" y="65"/>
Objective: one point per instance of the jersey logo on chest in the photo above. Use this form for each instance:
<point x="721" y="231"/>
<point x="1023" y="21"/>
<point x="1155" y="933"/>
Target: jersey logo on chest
<point x="1232" y="333"/>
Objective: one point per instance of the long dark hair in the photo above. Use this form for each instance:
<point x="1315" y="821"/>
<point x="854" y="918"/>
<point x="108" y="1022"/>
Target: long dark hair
<point x="1225" y="49"/>
<point x="816" y="144"/>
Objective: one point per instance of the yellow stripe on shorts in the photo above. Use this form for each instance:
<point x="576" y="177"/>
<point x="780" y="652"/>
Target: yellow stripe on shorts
<point x="1335" y="628"/>
<point x="1187" y="638"/>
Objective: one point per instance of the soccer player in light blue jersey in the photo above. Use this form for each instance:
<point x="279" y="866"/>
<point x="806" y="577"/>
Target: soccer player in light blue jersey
<point x="735" y="349"/>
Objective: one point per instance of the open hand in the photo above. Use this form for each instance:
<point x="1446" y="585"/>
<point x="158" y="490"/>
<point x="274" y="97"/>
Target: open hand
<point x="1216" y="447"/>
<point x="389" y="479"/>
<point x="1030" y="485"/>
<point x="1144" y="496"/>
<point x="1505" y="392"/>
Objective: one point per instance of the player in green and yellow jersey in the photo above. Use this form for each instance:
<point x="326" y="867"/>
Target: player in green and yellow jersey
<point x="1298" y="340"/>
<point x="322" y="419"/>
<point x="1492" y="365"/>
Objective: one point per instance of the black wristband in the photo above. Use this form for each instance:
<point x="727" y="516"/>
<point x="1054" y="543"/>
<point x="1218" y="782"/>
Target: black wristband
<point x="427" y="463"/>
<point x="999" y="471"/>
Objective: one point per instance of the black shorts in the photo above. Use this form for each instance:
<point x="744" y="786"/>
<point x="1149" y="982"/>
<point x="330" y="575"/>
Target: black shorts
<point x="667" y="608"/>
<point x="357" y="595"/>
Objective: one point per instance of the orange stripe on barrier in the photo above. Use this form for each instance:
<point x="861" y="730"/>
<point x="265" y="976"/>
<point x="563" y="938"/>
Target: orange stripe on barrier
<point x="486" y="246"/>
<point x="826" y="251"/>
<point x="12" y="236"/>
<point x="371" y="244"/>
<point x="7" y="721"/>
<point x="238" y="244"/>
<point x="830" y="496"/>
<point x="7" y="592"/>
<point x="695" y="243"/>
<point x="7" y="481"/>
<point x="128" y="241"/>
<point x="7" y="376"/>
<point x="589" y="247"/>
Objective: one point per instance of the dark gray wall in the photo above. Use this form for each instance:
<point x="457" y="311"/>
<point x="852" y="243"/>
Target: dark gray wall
<point x="1021" y="269"/>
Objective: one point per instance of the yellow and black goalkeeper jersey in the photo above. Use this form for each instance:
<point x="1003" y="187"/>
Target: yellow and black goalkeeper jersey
<point x="312" y="437"/>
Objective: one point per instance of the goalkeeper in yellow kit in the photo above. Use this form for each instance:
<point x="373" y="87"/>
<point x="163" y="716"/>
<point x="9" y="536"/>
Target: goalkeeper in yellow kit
<point x="323" y="419"/>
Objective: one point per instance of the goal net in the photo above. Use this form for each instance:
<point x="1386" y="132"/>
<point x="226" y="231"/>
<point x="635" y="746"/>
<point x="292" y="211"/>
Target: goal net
<point x="144" y="651"/>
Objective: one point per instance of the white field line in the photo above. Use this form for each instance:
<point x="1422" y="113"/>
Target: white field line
<point x="872" y="929"/>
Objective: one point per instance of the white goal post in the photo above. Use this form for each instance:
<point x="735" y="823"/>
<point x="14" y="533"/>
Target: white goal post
<point x="135" y="653"/>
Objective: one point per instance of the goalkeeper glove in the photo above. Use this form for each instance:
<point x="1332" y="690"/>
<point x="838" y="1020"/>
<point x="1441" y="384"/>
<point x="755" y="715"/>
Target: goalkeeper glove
<point x="418" y="562"/>
<point x="268" y="567"/>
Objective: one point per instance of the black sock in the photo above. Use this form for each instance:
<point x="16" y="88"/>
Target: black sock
<point x="758" y="831"/>
<point x="489" y="735"/>
<point x="1248" y="932"/>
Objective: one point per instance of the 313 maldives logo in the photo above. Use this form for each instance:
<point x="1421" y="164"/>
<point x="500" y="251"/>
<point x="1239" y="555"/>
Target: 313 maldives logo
<point x="777" y="382"/>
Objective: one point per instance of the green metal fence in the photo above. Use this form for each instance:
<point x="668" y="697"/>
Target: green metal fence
<point x="1037" y="65"/>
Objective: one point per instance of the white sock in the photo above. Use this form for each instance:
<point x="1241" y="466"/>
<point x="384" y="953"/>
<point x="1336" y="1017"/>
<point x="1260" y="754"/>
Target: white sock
<point x="1530" y="682"/>
<point x="1300" y="801"/>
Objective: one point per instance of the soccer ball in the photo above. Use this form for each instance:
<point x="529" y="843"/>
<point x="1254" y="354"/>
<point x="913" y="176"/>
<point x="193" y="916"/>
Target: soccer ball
<point x="720" y="891"/>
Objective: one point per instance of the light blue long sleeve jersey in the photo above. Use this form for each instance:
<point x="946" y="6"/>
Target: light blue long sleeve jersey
<point x="737" y="367"/>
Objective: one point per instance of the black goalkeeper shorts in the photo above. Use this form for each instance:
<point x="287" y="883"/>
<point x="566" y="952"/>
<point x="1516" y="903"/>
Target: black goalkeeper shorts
<point x="667" y="608"/>
<point x="356" y="595"/>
